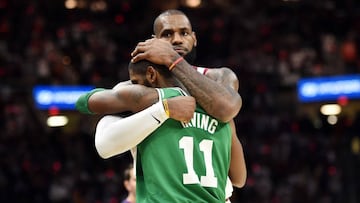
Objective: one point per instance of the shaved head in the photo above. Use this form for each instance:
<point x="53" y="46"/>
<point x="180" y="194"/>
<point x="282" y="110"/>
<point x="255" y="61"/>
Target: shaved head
<point x="159" y="21"/>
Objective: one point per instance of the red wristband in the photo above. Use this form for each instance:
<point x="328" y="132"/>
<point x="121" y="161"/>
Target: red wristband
<point x="172" y="66"/>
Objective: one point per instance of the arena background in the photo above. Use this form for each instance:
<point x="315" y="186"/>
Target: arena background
<point x="293" y="153"/>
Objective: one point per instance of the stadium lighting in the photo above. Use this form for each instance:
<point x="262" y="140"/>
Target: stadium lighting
<point x="57" y="121"/>
<point x="193" y="3"/>
<point x="70" y="4"/>
<point x="330" y="109"/>
<point x="332" y="119"/>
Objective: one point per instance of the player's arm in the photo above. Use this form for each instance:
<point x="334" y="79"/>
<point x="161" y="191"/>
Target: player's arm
<point x="237" y="171"/>
<point x="132" y="98"/>
<point x="112" y="135"/>
<point x="224" y="76"/>
<point x="221" y="101"/>
<point x="217" y="100"/>
<point x="115" y="135"/>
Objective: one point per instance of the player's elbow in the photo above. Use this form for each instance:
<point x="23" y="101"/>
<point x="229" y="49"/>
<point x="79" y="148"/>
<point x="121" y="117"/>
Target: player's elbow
<point x="238" y="176"/>
<point x="231" y="109"/>
<point x="235" y="106"/>
<point x="106" y="152"/>
<point x="103" y="154"/>
<point x="102" y="151"/>
<point x="239" y="185"/>
<point x="105" y="147"/>
<point x="239" y="182"/>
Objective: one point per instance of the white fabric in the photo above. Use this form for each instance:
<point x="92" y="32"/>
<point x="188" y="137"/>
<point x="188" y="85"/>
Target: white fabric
<point x="115" y="135"/>
<point x="201" y="70"/>
<point x="228" y="190"/>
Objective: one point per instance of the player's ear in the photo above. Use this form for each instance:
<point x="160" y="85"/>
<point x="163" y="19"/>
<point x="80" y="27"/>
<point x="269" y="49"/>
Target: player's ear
<point x="151" y="74"/>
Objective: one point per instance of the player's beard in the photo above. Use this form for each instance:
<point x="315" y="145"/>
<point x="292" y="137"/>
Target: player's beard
<point x="191" y="56"/>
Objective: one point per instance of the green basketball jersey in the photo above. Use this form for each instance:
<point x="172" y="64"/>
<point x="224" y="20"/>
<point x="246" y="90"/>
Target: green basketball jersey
<point x="184" y="162"/>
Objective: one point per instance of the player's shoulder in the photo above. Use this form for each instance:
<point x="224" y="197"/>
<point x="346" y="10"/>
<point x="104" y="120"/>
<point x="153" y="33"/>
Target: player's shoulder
<point x="223" y="70"/>
<point x="128" y="82"/>
<point x="220" y="70"/>
<point x="217" y="73"/>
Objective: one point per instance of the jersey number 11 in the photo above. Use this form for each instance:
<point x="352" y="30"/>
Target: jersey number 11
<point x="209" y="180"/>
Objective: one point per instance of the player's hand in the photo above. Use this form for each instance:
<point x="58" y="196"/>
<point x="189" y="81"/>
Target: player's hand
<point x="155" y="50"/>
<point x="182" y="108"/>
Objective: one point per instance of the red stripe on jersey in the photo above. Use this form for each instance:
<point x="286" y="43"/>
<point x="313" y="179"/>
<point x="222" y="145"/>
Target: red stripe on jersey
<point x="201" y="70"/>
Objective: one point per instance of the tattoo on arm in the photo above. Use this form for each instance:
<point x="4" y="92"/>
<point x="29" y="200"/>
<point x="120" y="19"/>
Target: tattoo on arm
<point x="203" y="89"/>
<point x="138" y="97"/>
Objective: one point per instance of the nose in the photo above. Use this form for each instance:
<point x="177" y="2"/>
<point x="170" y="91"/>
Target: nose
<point x="177" y="38"/>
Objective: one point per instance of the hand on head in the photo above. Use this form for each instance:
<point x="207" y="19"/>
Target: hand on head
<point x="155" y="50"/>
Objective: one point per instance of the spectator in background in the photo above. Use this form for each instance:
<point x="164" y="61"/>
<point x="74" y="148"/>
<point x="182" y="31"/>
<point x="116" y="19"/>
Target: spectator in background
<point x="130" y="184"/>
<point x="26" y="59"/>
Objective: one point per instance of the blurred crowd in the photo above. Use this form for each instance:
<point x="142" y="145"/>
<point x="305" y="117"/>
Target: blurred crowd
<point x="269" y="44"/>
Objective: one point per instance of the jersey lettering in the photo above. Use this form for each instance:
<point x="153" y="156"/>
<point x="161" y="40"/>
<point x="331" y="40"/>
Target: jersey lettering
<point x="202" y="121"/>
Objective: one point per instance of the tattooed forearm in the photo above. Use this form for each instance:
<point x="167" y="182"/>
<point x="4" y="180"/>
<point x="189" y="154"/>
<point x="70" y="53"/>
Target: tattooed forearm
<point x="217" y="100"/>
<point x="140" y="97"/>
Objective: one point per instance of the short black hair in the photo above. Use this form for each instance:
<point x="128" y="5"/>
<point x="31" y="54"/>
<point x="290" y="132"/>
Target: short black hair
<point x="141" y="66"/>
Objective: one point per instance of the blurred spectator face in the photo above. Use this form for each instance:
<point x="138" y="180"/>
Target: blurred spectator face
<point x="130" y="184"/>
<point x="178" y="31"/>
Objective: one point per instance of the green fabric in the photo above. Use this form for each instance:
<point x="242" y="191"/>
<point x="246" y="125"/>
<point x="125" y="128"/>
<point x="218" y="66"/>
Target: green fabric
<point x="82" y="102"/>
<point x="164" y="159"/>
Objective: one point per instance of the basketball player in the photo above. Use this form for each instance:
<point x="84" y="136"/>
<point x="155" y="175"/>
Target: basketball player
<point x="174" y="37"/>
<point x="173" y="31"/>
<point x="179" y="161"/>
<point x="217" y="74"/>
<point x="115" y="135"/>
<point x="173" y="40"/>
